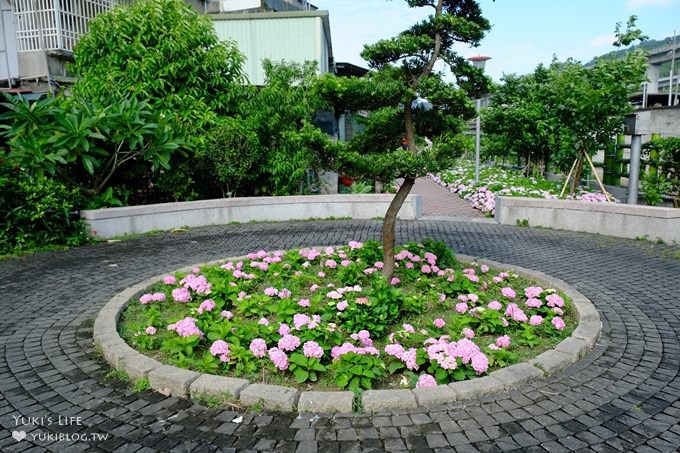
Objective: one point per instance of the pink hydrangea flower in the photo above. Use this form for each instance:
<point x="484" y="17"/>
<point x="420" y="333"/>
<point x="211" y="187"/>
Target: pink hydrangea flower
<point x="439" y="323"/>
<point x="206" y="305"/>
<point x="558" y="323"/>
<point x="258" y="347"/>
<point x="278" y="358"/>
<point x="289" y="342"/>
<point x="342" y="305"/>
<point x="426" y="269"/>
<point x="426" y="380"/>
<point x="312" y="349"/>
<point x="508" y="292"/>
<point x="461" y="307"/>
<point x="186" y="327"/>
<point x="495" y="305"/>
<point x="353" y="245"/>
<point x="151" y="330"/>
<point x="534" y="303"/>
<point x="473" y="298"/>
<point x="263" y="322"/>
<point x="226" y="314"/>
<point x="220" y="348"/>
<point x="484" y="268"/>
<point x="169" y="280"/>
<point x="532" y="292"/>
<point x="555" y="300"/>
<point x="198" y="283"/>
<point x="536" y="320"/>
<point x="283" y="329"/>
<point x="480" y="362"/>
<point x="271" y="292"/>
<point x="284" y="293"/>
<point x="378" y="264"/>
<point x="468" y="333"/>
<point x="345" y="263"/>
<point x="332" y="264"/>
<point x="409" y="358"/>
<point x="395" y="350"/>
<point x="304" y="303"/>
<point x="300" y="320"/>
<point x="409" y="265"/>
<point x="145" y="299"/>
<point x="181" y="295"/>
<point x="321" y="274"/>
<point x="558" y="311"/>
<point x="408" y="328"/>
<point x="395" y="281"/>
<point x="503" y="341"/>
<point x="335" y="295"/>
<point x="364" y="336"/>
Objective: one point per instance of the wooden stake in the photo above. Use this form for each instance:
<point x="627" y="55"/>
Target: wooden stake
<point x="566" y="182"/>
<point x="592" y="167"/>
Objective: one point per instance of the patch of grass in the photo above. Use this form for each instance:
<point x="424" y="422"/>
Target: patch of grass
<point x="213" y="401"/>
<point x="140" y="385"/>
<point x="257" y="407"/>
<point x="523" y="222"/>
<point x="117" y="375"/>
<point x="33" y="251"/>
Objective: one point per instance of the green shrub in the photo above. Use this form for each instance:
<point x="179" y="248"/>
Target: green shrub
<point x="37" y="212"/>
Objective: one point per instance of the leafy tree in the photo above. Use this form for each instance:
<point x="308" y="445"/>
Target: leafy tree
<point x="272" y="142"/>
<point x="84" y="144"/>
<point x="404" y="77"/>
<point x="516" y="123"/>
<point x="164" y="52"/>
<point x="589" y="103"/>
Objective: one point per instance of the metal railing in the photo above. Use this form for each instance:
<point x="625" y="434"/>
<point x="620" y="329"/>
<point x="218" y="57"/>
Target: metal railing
<point x="54" y="24"/>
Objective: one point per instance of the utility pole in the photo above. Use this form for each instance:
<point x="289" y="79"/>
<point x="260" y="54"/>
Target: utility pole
<point x="670" y="79"/>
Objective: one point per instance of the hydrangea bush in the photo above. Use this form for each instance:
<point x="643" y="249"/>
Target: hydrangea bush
<point x="328" y="317"/>
<point x="495" y="181"/>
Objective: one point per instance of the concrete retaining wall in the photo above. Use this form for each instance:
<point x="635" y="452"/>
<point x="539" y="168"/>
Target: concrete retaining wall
<point x="609" y="219"/>
<point x="111" y="222"/>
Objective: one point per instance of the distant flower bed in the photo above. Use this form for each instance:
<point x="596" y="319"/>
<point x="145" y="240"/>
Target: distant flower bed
<point x="329" y="319"/>
<point x="495" y="181"/>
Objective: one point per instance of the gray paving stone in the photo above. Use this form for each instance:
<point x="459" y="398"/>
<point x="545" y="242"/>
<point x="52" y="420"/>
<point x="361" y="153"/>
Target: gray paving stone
<point x="393" y="400"/>
<point x="434" y="396"/>
<point x="326" y="402"/>
<point x="221" y="387"/>
<point x="170" y="380"/>
<point x="273" y="397"/>
<point x="477" y="388"/>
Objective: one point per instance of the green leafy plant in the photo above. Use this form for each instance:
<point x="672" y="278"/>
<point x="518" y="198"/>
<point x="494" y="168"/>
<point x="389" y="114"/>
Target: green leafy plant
<point x="356" y="371"/>
<point x="305" y="368"/>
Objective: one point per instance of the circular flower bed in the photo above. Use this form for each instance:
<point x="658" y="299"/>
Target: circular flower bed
<point x="328" y="318"/>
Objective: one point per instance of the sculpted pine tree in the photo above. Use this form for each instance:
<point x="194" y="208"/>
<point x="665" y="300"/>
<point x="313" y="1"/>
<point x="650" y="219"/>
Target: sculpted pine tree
<point x="409" y="97"/>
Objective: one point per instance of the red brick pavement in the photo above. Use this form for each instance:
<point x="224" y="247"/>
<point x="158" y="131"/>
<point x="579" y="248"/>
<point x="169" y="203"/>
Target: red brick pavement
<point x="439" y="202"/>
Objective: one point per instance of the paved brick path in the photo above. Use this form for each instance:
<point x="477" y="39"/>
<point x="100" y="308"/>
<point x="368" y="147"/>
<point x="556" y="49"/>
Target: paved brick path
<point x="624" y="396"/>
<point x="440" y="203"/>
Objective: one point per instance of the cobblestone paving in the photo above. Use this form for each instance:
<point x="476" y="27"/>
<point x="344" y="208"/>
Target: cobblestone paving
<point x="624" y="396"/>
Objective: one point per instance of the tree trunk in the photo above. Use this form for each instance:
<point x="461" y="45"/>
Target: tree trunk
<point x="578" y="172"/>
<point x="389" y="224"/>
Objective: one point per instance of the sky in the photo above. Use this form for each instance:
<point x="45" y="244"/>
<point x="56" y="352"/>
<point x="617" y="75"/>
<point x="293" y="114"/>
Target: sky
<point x="524" y="32"/>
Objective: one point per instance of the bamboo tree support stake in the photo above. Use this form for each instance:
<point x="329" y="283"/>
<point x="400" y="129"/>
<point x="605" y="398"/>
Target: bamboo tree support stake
<point x="592" y="167"/>
<point x="566" y="182"/>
